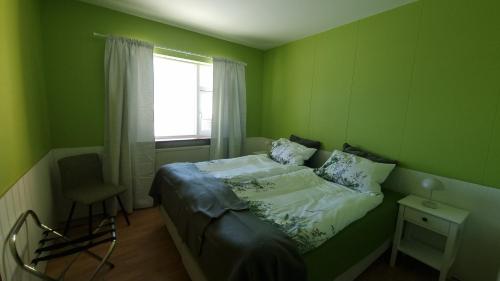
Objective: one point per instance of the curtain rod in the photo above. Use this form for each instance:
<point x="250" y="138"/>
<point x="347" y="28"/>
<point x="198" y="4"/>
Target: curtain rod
<point x="159" y="47"/>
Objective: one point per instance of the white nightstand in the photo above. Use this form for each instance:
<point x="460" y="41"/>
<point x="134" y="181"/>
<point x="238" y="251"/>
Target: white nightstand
<point x="445" y="220"/>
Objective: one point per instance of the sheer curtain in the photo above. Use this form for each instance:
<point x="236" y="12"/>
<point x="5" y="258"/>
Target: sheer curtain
<point x="228" y="109"/>
<point x="129" y="148"/>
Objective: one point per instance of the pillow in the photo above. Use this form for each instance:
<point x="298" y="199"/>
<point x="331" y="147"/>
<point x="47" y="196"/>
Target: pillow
<point x="366" y="154"/>
<point x="305" y="142"/>
<point x="290" y="153"/>
<point x="355" y="172"/>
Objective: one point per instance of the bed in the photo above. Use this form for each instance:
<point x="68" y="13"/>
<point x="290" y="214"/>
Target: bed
<point x="280" y="199"/>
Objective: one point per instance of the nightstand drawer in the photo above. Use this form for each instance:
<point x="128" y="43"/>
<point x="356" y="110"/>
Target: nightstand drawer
<point x="426" y="220"/>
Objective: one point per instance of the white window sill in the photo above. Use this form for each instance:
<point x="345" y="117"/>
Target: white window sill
<point x="181" y="142"/>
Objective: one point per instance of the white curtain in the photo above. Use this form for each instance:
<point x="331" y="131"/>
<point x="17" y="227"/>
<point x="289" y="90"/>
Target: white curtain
<point x="129" y="147"/>
<point x="228" y="109"/>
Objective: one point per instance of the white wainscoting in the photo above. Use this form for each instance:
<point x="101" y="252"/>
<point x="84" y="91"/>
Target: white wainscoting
<point x="202" y="153"/>
<point x="479" y="254"/>
<point x="33" y="191"/>
<point x="255" y="144"/>
<point x="478" y="258"/>
<point x="182" y="154"/>
<point x="163" y="156"/>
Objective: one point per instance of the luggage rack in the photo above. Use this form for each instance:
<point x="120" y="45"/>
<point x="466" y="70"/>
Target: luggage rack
<point x="55" y="245"/>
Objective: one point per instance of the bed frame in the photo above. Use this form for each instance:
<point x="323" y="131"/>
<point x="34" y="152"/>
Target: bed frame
<point x="196" y="273"/>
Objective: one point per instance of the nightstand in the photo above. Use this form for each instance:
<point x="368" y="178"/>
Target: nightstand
<point x="446" y="221"/>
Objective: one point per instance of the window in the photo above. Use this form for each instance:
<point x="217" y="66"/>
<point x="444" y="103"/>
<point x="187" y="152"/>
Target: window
<point x="182" y="98"/>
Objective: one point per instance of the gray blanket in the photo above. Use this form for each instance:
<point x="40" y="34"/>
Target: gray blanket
<point x="229" y="242"/>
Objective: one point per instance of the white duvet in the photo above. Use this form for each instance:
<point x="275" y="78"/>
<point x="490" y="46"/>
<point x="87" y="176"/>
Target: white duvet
<point x="305" y="206"/>
<point x="245" y="167"/>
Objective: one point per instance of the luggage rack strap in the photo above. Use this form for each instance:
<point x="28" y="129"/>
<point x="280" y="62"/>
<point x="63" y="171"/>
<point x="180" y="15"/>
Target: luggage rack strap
<point x="78" y="246"/>
<point x="71" y="251"/>
<point x="82" y="239"/>
<point x="47" y="239"/>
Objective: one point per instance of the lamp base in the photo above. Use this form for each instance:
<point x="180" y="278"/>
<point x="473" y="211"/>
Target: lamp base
<point x="430" y="204"/>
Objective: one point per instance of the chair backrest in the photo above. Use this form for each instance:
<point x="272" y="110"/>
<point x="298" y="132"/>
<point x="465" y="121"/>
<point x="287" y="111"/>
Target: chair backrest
<point x="79" y="170"/>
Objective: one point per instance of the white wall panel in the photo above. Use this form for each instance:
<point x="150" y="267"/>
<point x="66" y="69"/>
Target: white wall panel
<point x="479" y="254"/>
<point x="182" y="154"/>
<point x="256" y="144"/>
<point x="163" y="156"/>
<point x="33" y="191"/>
<point x="202" y="153"/>
<point x="478" y="259"/>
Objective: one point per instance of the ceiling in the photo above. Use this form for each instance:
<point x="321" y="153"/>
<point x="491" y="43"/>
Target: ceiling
<point x="261" y="24"/>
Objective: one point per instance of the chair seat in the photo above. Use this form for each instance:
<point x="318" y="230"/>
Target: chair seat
<point x="92" y="193"/>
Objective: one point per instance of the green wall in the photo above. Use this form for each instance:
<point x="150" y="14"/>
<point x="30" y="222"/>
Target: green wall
<point x="75" y="67"/>
<point x="24" y="130"/>
<point x="420" y="84"/>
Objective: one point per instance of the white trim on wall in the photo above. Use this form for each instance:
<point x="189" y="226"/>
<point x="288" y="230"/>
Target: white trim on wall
<point x="479" y="255"/>
<point x="163" y="156"/>
<point x="33" y="191"/>
<point x="478" y="258"/>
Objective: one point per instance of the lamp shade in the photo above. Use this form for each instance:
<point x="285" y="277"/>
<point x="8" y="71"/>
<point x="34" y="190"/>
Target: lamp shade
<point x="432" y="184"/>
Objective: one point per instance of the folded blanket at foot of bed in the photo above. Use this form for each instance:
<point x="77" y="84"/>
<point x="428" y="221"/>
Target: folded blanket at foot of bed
<point x="228" y="241"/>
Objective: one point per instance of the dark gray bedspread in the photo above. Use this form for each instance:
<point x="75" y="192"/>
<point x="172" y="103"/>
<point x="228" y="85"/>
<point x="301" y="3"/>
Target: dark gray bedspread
<point x="228" y="241"/>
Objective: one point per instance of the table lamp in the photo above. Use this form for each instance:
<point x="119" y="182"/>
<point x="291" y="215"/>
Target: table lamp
<point x="431" y="184"/>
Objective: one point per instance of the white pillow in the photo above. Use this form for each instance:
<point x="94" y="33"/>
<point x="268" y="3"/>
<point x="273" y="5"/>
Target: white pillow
<point x="355" y="172"/>
<point x="287" y="152"/>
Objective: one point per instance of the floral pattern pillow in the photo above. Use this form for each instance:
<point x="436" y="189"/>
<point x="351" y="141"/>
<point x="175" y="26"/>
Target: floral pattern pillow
<point x="355" y="172"/>
<point x="287" y="152"/>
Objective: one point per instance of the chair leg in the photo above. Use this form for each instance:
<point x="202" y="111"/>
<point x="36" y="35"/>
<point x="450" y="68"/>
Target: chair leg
<point x="66" y="228"/>
<point x="90" y="219"/>
<point x="123" y="209"/>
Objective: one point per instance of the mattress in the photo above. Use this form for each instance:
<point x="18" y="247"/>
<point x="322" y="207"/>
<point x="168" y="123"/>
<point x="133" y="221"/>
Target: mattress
<point x="355" y="236"/>
<point x="355" y="242"/>
<point x="228" y="241"/>
<point x="309" y="209"/>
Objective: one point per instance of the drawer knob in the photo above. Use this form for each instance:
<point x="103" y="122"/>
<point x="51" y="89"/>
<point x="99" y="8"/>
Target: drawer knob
<point x="424" y="219"/>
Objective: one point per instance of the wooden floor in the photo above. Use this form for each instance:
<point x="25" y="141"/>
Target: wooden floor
<point x="145" y="251"/>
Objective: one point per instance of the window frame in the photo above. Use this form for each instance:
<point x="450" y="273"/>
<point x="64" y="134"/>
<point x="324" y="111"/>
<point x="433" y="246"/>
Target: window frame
<point x="199" y="136"/>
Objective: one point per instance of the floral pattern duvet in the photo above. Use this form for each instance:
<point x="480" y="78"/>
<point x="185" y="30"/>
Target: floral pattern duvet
<point x="308" y="208"/>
